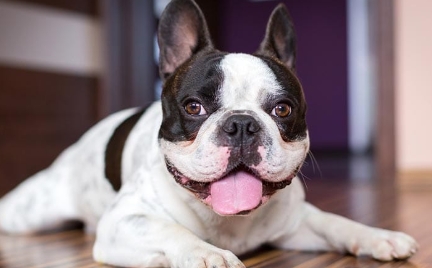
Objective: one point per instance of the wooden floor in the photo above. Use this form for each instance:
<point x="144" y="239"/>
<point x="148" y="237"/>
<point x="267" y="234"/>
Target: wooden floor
<point x="404" y="210"/>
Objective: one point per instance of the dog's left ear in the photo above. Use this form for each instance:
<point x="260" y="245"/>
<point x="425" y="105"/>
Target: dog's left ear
<point x="280" y="40"/>
<point x="182" y="33"/>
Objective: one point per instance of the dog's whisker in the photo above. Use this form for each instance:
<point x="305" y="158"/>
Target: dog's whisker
<point x="303" y="179"/>
<point x="315" y="164"/>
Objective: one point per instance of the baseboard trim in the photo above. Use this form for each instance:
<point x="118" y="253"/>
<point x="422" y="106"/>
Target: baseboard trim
<point x="415" y="179"/>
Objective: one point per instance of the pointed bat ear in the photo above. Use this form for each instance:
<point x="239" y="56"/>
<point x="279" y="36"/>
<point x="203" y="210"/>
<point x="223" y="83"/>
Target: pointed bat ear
<point x="182" y="33"/>
<point x="280" y="40"/>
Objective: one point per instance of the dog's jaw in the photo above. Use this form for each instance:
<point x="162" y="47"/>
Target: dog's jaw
<point x="251" y="192"/>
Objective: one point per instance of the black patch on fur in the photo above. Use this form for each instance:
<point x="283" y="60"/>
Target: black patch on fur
<point x="292" y="127"/>
<point x="114" y="149"/>
<point x="199" y="79"/>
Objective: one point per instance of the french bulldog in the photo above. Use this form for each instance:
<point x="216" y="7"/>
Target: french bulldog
<point x="205" y="174"/>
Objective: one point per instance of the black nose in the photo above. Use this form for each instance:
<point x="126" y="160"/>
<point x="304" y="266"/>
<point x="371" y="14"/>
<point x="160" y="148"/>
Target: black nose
<point x="241" y="128"/>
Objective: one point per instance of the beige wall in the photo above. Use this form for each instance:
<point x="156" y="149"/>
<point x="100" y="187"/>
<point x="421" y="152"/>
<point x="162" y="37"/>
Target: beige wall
<point x="38" y="37"/>
<point x="414" y="87"/>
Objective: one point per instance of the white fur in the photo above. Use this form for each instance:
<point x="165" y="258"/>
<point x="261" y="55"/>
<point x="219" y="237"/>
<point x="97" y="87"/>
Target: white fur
<point x="201" y="159"/>
<point x="247" y="82"/>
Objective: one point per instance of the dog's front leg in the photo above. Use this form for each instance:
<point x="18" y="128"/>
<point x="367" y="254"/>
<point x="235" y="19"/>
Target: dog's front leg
<point x="324" y="231"/>
<point x="137" y="233"/>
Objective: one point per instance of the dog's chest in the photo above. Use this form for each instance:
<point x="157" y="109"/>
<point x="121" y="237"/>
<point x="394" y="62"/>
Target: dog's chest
<point x="241" y="234"/>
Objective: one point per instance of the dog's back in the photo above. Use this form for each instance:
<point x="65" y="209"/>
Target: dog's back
<point x="75" y="186"/>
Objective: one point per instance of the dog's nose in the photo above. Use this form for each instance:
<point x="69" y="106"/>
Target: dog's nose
<point x="241" y="127"/>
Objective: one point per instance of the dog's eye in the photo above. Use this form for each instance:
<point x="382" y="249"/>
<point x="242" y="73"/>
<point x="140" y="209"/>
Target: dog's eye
<point x="195" y="108"/>
<point x="281" y="110"/>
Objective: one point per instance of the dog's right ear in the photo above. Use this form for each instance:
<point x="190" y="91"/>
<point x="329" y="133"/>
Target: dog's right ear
<point x="182" y="33"/>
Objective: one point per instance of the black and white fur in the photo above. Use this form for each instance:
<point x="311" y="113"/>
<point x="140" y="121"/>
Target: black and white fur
<point x="163" y="215"/>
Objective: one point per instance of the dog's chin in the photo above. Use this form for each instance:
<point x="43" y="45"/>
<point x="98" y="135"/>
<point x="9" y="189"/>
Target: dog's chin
<point x="238" y="192"/>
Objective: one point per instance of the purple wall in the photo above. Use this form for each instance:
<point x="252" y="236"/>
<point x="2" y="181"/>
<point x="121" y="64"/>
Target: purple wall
<point x="321" y="58"/>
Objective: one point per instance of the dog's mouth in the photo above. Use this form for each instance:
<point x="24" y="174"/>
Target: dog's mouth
<point x="238" y="192"/>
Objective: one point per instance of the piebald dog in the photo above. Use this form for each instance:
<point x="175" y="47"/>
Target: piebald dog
<point x="205" y="174"/>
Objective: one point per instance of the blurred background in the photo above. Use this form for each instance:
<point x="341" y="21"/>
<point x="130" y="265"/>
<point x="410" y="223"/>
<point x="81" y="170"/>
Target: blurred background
<point x="365" y="65"/>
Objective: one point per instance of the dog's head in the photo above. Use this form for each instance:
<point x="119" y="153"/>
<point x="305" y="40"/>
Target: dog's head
<point x="233" y="129"/>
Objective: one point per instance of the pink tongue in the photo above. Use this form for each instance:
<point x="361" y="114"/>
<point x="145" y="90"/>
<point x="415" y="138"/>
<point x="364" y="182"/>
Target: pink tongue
<point x="237" y="192"/>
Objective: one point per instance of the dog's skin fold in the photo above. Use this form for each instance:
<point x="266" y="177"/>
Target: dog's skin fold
<point x="208" y="173"/>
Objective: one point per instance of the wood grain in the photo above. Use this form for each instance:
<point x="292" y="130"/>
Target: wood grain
<point x="403" y="210"/>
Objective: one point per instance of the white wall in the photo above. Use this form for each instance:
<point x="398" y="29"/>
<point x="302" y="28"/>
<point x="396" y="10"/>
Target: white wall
<point x="33" y="36"/>
<point x="361" y="79"/>
<point x="413" y="36"/>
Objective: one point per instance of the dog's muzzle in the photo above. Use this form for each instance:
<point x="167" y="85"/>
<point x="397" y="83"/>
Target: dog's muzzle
<point x="240" y="188"/>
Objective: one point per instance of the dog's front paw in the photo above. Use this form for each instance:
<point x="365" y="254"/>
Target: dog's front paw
<point x="386" y="245"/>
<point x="207" y="256"/>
